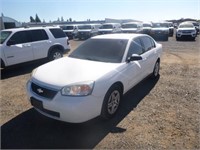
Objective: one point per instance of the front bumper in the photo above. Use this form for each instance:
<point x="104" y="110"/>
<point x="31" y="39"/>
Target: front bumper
<point x="192" y="35"/>
<point x="66" y="108"/>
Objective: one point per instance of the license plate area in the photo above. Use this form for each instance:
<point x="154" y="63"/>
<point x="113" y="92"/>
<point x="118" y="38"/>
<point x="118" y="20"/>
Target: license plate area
<point x="36" y="103"/>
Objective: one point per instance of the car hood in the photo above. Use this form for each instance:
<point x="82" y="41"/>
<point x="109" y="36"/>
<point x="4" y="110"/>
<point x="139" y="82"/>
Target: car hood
<point x="68" y="70"/>
<point x="159" y="29"/>
<point x="68" y="30"/>
<point x="105" y="29"/>
<point x="186" y="29"/>
<point x="85" y="30"/>
<point x="129" y="29"/>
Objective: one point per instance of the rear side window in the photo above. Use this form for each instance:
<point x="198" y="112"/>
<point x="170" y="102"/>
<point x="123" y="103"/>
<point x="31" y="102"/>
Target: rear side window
<point x="147" y="43"/>
<point x="58" y="33"/>
<point x="20" y="37"/>
<point x="39" y="35"/>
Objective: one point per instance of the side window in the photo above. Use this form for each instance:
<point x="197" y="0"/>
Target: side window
<point x="153" y="43"/>
<point x="147" y="43"/>
<point x="20" y="37"/>
<point x="135" y="48"/>
<point x="58" y="33"/>
<point x="39" y="35"/>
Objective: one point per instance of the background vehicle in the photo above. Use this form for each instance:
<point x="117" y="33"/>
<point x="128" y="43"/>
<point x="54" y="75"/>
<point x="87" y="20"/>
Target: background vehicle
<point x="171" y="28"/>
<point x="21" y="45"/>
<point x="132" y="27"/>
<point x="87" y="30"/>
<point x="160" y="31"/>
<point x="147" y="27"/>
<point x="186" y="30"/>
<point x="107" y="28"/>
<point x="196" y="25"/>
<point x="91" y="81"/>
<point x="70" y="30"/>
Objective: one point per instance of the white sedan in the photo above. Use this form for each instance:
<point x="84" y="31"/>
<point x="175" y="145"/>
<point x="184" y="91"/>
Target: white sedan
<point x="91" y="81"/>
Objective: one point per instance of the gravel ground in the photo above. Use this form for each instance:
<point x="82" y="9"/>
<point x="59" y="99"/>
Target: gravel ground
<point x="156" y="114"/>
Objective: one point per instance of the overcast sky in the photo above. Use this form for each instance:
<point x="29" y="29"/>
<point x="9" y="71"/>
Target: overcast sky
<point x="81" y="10"/>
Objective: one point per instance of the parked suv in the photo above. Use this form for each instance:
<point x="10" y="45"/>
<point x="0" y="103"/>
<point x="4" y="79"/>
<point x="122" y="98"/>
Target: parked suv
<point x="160" y="31"/>
<point x="186" y="30"/>
<point x="21" y="45"/>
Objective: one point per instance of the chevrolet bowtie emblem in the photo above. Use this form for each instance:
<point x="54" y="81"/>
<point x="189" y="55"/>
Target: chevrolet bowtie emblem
<point x="40" y="91"/>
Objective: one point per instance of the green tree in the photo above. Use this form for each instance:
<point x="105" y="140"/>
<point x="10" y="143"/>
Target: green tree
<point x="37" y="19"/>
<point x="31" y="19"/>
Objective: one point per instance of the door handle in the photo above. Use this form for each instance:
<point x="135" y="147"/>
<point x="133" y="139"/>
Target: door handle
<point x="26" y="45"/>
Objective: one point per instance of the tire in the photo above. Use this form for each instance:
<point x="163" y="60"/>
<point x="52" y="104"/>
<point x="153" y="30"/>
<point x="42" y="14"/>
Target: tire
<point x="111" y="102"/>
<point x="156" y="70"/>
<point x="166" y="38"/>
<point x="2" y="64"/>
<point x="55" y="54"/>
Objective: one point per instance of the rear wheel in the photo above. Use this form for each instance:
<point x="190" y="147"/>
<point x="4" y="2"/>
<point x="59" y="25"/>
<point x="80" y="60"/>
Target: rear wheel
<point x="111" y="102"/>
<point x="156" y="70"/>
<point x="55" y="54"/>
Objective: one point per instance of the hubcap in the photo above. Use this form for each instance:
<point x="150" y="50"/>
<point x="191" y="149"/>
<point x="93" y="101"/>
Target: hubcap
<point x="57" y="55"/>
<point x="113" y="102"/>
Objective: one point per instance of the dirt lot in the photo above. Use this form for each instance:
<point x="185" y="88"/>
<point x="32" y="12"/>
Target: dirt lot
<point x="156" y="114"/>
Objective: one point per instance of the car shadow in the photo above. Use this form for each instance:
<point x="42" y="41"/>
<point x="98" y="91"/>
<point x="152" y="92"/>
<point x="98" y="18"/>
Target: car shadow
<point x="31" y="130"/>
<point x="20" y="69"/>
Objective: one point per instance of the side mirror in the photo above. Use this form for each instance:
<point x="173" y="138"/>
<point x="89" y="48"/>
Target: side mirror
<point x="134" y="57"/>
<point x="10" y="42"/>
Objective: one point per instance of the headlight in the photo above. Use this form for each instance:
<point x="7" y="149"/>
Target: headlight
<point x="179" y="31"/>
<point x="79" y="89"/>
<point x="33" y="72"/>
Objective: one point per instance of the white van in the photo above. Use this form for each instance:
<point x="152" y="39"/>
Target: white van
<point x="110" y="28"/>
<point x="87" y="30"/>
<point x="132" y="27"/>
<point x="70" y="30"/>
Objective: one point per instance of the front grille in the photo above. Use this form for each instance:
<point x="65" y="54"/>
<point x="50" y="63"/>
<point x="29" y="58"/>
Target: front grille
<point x="187" y="31"/>
<point x="43" y="92"/>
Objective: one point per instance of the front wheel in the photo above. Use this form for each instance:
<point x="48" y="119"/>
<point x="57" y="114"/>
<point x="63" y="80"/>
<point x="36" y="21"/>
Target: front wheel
<point x="111" y="102"/>
<point x="55" y="54"/>
<point x="156" y="70"/>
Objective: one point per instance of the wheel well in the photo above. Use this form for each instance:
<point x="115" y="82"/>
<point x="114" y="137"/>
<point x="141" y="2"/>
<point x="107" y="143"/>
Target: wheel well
<point x="120" y="85"/>
<point x="58" y="47"/>
<point x="2" y="64"/>
<point x="158" y="60"/>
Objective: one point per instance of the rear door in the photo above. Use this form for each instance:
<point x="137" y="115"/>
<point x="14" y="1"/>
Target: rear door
<point x="149" y="54"/>
<point x="40" y="43"/>
<point x="19" y="48"/>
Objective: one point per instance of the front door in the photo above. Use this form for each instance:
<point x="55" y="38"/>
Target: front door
<point x="18" y="48"/>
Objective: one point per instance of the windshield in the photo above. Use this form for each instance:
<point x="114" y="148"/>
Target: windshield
<point x="186" y="26"/>
<point x="85" y="27"/>
<point x="160" y="25"/>
<point x="129" y="26"/>
<point x="146" y="25"/>
<point x="4" y="35"/>
<point x="107" y="26"/>
<point x="67" y="27"/>
<point x="103" y="50"/>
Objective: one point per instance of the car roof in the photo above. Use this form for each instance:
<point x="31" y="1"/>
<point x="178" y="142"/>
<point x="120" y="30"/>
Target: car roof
<point x="30" y="28"/>
<point x="132" y="23"/>
<point x="118" y="36"/>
